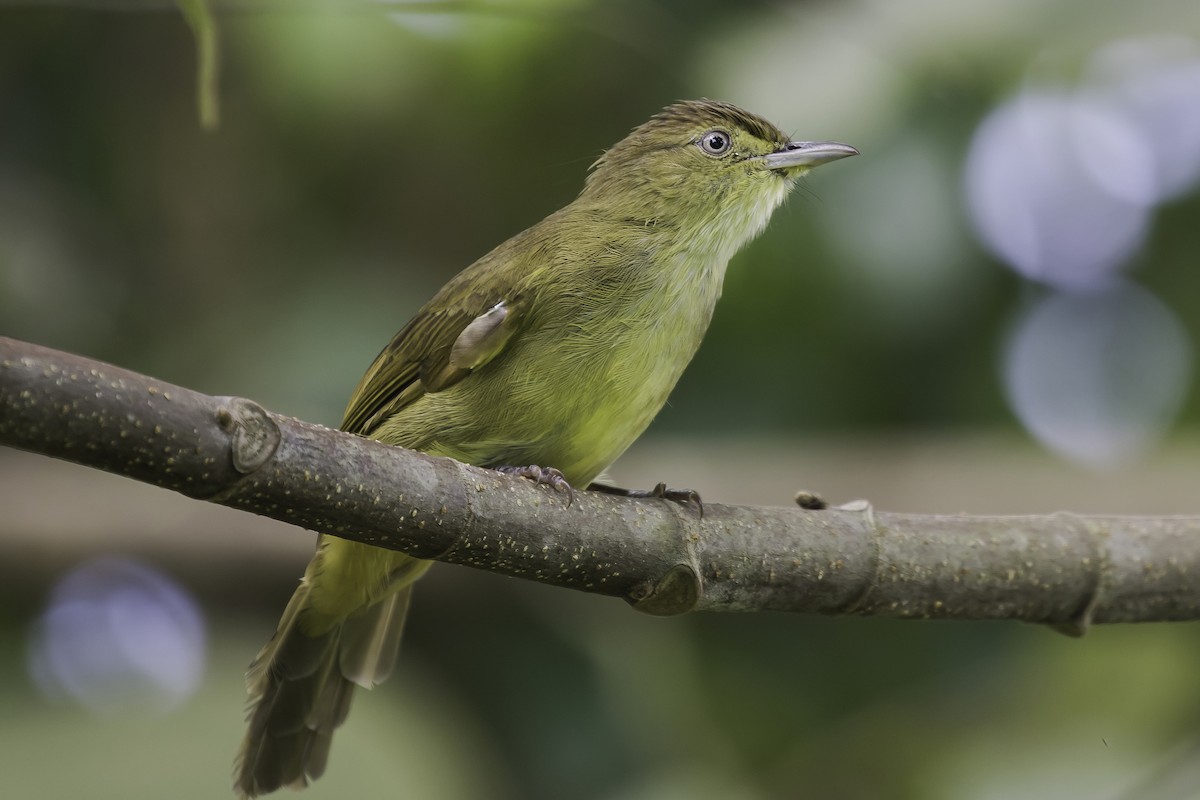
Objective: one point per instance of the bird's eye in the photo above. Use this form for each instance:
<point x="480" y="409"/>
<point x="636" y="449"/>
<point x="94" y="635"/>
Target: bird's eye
<point x="715" y="143"/>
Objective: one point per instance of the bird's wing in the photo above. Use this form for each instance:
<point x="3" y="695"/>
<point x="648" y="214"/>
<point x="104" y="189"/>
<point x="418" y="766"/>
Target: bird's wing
<point x="463" y="327"/>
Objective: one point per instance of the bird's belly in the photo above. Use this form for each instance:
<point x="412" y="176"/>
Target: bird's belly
<point x="617" y="384"/>
<point x="621" y="406"/>
<point x="574" y="405"/>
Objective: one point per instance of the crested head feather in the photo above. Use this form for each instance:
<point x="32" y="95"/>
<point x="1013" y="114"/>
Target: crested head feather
<point x="679" y="124"/>
<point x="687" y="114"/>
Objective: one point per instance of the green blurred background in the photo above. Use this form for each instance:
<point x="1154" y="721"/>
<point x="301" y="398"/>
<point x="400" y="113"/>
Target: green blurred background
<point x="992" y="310"/>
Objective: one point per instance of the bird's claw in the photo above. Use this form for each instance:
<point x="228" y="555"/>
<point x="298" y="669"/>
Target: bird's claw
<point x="543" y="476"/>
<point x="682" y="496"/>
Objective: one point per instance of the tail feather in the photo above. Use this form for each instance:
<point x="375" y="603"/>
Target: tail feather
<point x="300" y="689"/>
<point x="371" y="641"/>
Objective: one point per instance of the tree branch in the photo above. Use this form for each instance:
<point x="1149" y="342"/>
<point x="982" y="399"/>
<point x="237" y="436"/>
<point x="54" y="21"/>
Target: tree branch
<point x="662" y="557"/>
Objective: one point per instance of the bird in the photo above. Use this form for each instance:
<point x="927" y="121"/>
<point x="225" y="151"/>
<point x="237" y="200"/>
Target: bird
<point x="546" y="358"/>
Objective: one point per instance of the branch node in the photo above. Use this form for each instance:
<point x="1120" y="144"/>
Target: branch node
<point x="1081" y="622"/>
<point x="864" y="507"/>
<point x="255" y="436"/>
<point x="677" y="592"/>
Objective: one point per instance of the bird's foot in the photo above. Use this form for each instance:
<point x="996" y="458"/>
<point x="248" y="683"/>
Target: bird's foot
<point x="543" y="476"/>
<point x="682" y="496"/>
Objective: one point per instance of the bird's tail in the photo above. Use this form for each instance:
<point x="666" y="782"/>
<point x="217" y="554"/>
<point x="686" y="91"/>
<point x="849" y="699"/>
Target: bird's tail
<point x="301" y="683"/>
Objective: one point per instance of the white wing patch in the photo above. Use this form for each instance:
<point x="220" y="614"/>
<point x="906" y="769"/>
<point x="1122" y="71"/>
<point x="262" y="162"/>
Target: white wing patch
<point x="480" y="340"/>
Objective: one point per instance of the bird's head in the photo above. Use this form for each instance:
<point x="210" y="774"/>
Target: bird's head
<point x="705" y="167"/>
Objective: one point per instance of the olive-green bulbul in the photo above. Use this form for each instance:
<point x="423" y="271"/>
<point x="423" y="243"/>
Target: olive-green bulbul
<point x="555" y="349"/>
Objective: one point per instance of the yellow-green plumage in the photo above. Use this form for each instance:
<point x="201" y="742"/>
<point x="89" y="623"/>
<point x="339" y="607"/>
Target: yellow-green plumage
<point x="557" y="348"/>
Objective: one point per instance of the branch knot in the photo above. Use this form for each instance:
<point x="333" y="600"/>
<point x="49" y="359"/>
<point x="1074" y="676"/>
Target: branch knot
<point x="677" y="592"/>
<point x="255" y="436"/>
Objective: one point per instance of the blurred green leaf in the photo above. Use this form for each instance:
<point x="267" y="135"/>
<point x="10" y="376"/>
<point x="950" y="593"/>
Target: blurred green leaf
<point x="208" y="55"/>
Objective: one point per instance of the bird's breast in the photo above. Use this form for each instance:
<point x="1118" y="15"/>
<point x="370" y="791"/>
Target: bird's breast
<point x="623" y="353"/>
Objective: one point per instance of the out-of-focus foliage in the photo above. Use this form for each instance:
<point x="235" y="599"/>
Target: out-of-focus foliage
<point x="1014" y="252"/>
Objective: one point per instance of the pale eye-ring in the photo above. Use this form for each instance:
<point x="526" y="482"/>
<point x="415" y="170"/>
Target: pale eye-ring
<point x="716" y="142"/>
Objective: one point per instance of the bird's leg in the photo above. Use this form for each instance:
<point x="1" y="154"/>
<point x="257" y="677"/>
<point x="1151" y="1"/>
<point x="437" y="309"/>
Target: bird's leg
<point x="547" y="476"/>
<point x="684" y="496"/>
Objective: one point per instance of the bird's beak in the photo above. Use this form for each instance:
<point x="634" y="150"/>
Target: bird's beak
<point x="807" y="154"/>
